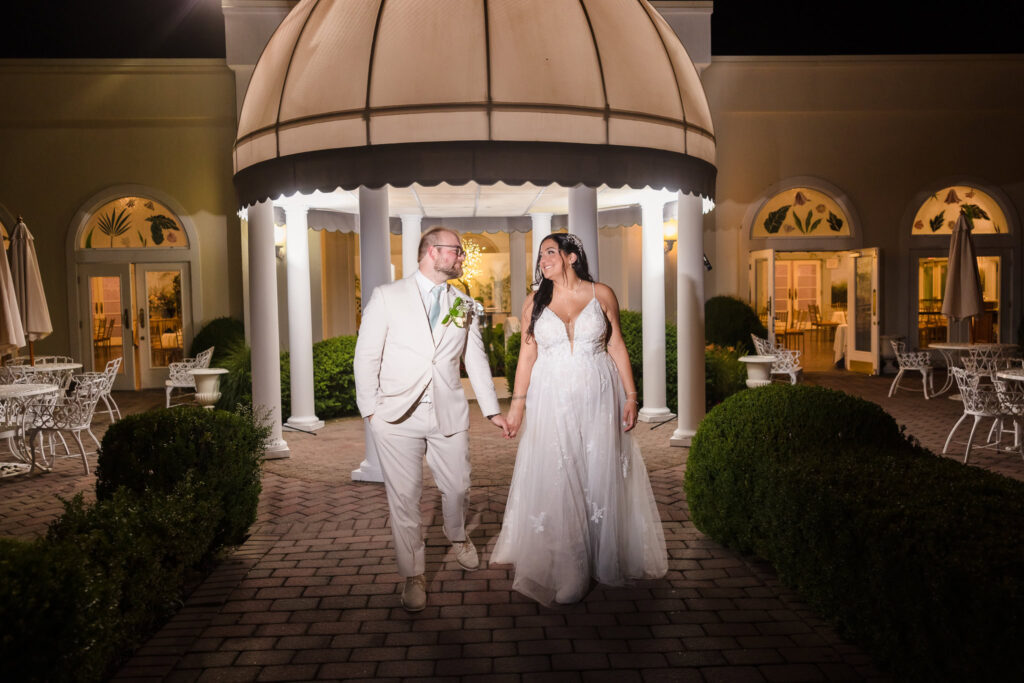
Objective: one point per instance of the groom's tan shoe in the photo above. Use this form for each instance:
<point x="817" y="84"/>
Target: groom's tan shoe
<point x="465" y="554"/>
<point x="414" y="595"/>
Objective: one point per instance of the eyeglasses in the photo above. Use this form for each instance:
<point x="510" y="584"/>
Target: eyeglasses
<point x="459" y="251"/>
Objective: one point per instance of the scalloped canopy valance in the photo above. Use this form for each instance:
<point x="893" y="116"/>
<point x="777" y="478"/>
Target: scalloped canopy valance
<point x="376" y="92"/>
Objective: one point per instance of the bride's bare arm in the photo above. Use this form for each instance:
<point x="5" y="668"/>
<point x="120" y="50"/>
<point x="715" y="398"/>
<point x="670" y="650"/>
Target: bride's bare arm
<point x="527" y="357"/>
<point x="620" y="356"/>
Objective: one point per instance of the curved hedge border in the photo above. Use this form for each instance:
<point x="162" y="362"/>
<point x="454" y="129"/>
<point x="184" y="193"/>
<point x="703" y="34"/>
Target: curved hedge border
<point x="918" y="558"/>
<point x="74" y="603"/>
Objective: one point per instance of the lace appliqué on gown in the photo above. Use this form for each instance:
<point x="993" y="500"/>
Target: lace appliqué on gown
<point x="580" y="505"/>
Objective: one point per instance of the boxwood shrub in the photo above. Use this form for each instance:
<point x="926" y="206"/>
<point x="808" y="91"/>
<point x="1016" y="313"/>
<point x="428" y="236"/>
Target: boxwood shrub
<point x="154" y="451"/>
<point x="918" y="558"/>
<point x="729" y="321"/>
<point x="334" y="388"/>
<point x="220" y="333"/>
<point x="75" y="602"/>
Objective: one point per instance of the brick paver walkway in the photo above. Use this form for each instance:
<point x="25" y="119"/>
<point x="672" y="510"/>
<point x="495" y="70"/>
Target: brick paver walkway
<point x="314" y="593"/>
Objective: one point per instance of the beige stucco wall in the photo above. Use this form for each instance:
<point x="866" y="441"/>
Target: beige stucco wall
<point x="886" y="131"/>
<point x="72" y="128"/>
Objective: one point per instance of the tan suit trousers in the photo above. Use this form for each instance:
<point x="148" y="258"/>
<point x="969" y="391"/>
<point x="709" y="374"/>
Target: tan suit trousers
<point x="402" y="446"/>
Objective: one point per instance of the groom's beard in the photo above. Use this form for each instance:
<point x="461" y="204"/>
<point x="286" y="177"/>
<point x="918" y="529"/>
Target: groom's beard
<point x="452" y="272"/>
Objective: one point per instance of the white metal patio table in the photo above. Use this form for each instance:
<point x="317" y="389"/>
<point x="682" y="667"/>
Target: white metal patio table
<point x="19" y="394"/>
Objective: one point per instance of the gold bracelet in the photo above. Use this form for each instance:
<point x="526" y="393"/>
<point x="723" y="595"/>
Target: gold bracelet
<point x="519" y="397"/>
<point x="631" y="393"/>
<point x="632" y="400"/>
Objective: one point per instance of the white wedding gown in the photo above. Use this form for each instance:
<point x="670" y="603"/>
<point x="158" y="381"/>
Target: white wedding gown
<point x="580" y="504"/>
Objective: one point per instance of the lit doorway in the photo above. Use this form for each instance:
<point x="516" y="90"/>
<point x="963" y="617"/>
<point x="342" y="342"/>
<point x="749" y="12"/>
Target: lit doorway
<point x="933" y="326"/>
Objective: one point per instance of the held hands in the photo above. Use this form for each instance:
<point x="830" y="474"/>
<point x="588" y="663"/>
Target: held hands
<point x="515" y="418"/>
<point x="629" y="412"/>
<point x="499" y="421"/>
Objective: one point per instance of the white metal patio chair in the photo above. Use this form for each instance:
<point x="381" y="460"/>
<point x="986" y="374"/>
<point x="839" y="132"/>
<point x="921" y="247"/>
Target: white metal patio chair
<point x="919" y="361"/>
<point x="1011" y="402"/>
<point x="56" y="415"/>
<point x="180" y="377"/>
<point x="787" y="361"/>
<point x="109" y="375"/>
<point x="44" y="360"/>
<point x="980" y="402"/>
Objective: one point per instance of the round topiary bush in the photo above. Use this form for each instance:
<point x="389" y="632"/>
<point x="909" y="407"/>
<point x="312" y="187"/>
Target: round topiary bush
<point x="729" y="321"/>
<point x="220" y="333"/>
<point x="155" y="451"/>
<point x="754" y="431"/>
<point x="916" y="557"/>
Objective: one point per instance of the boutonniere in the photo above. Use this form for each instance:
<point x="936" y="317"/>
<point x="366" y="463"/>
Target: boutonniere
<point x="461" y="311"/>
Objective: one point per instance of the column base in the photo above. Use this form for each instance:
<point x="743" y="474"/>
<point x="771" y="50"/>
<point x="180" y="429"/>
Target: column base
<point x="368" y="471"/>
<point x="681" y="438"/>
<point x="276" y="449"/>
<point x="655" y="415"/>
<point x="305" y="424"/>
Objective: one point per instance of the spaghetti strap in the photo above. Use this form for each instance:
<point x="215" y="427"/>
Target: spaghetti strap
<point x="593" y="288"/>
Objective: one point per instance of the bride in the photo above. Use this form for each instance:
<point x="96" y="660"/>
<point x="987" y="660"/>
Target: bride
<point x="580" y="505"/>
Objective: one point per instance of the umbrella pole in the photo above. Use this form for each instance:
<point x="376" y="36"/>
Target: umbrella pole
<point x="31" y="354"/>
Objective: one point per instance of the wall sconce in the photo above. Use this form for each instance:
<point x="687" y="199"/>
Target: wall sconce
<point x="279" y="241"/>
<point x="671" y="234"/>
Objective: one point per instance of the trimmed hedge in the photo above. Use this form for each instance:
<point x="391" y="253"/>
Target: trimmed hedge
<point x="220" y="333"/>
<point x="334" y="387"/>
<point x="154" y="451"/>
<point x="512" y="345"/>
<point x="74" y="603"/>
<point x="729" y="321"/>
<point x="724" y="374"/>
<point x="173" y="486"/>
<point x="918" y="558"/>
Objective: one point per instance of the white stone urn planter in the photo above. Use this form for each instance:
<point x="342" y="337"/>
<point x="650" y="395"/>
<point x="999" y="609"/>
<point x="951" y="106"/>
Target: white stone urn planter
<point x="207" y="385"/>
<point x="759" y="370"/>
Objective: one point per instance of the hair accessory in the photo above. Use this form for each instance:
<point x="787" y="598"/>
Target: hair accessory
<point x="575" y="240"/>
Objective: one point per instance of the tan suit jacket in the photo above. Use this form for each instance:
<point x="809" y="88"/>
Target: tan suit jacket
<point x="397" y="359"/>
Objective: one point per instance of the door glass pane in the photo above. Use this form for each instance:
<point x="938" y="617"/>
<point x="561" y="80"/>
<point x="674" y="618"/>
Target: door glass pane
<point x="931" y="289"/>
<point x="761" y="293"/>
<point x="105" y="320"/>
<point x="931" y="286"/>
<point x="985" y="327"/>
<point x="163" y="290"/>
<point x="783" y="290"/>
<point x="862" y="303"/>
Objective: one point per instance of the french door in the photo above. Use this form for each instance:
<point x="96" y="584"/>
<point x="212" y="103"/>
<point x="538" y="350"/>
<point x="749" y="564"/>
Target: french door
<point x="105" y="291"/>
<point x="862" y="268"/>
<point x="139" y="312"/>
<point x="762" y="287"/>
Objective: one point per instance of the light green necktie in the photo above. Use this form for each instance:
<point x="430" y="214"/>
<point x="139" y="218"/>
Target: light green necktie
<point x="435" y="306"/>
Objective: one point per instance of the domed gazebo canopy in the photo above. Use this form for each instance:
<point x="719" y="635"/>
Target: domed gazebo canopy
<point x="375" y="92"/>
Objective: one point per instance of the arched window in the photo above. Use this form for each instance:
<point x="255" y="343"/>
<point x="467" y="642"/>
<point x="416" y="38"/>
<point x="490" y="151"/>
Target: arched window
<point x="801" y="212"/>
<point x="133" y="223"/>
<point x="939" y="212"/>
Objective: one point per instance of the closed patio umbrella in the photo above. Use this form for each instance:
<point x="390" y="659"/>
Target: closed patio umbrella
<point x="963" y="285"/>
<point x="28" y="286"/>
<point x="12" y="336"/>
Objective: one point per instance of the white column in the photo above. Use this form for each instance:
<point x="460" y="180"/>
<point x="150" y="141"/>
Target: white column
<point x="583" y="222"/>
<point x="541" y="229"/>
<point x="300" y="323"/>
<point x="653" y="296"/>
<point x="266" y="348"/>
<point x="411" y="230"/>
<point x="374" y="270"/>
<point x="517" y="267"/>
<point x="690" y="317"/>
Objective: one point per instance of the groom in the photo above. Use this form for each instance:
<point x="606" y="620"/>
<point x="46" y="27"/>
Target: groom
<point x="407" y="385"/>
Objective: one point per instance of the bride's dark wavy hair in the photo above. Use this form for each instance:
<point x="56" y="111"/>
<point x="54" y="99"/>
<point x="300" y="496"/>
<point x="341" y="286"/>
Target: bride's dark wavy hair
<point x="543" y="287"/>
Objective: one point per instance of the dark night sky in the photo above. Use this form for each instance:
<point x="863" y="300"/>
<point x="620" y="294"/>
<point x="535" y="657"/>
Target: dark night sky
<point x="195" y="28"/>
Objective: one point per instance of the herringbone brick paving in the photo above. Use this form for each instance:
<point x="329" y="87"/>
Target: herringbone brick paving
<point x="314" y="593"/>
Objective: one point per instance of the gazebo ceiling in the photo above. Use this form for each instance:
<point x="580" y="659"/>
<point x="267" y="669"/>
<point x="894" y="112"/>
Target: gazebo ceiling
<point x="375" y="92"/>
